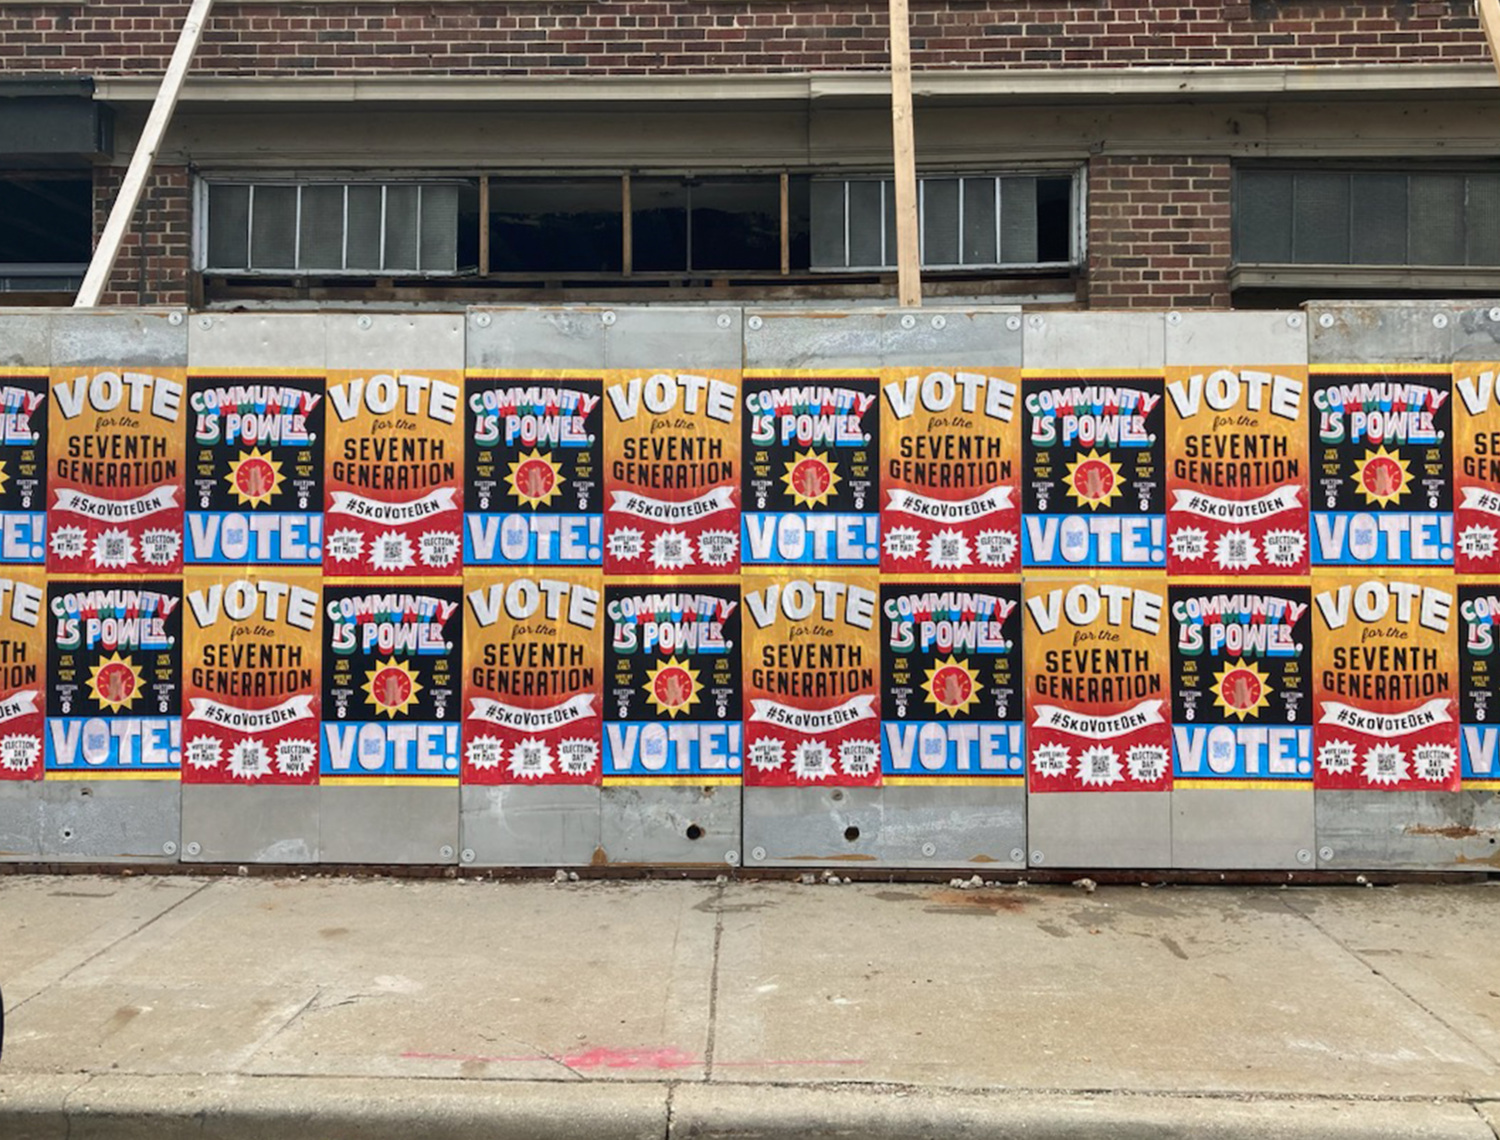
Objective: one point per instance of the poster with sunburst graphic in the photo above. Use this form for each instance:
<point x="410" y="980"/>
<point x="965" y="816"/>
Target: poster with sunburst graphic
<point x="533" y="676"/>
<point x="1093" y="493"/>
<point x="535" y="495"/>
<point x="392" y="661"/>
<point x="1382" y="464"/>
<point x="395" y="466"/>
<point x="950" y="470"/>
<point x="115" y="480"/>
<point x="672" y="682"/>
<point x="1479" y="682"/>
<point x="671" y="471"/>
<point x="1098" y="705"/>
<point x="23" y="468"/>
<point x="1386" y="680"/>
<point x="951" y="684"/>
<point x="1237" y="470"/>
<point x="812" y="468"/>
<point x="1476" y="467"/>
<point x="253" y="666"/>
<point x="1242" y="694"/>
<point x="811" y="676"/>
<point x="114" y="669"/>
<point x="23" y="670"/>
<point x="255" y="467"/>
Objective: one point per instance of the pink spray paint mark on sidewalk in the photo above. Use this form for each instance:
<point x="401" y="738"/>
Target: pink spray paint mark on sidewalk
<point x="602" y="1057"/>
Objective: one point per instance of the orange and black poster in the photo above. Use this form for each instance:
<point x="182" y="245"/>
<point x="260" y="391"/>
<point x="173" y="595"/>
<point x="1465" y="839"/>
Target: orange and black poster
<point x="1476" y="468"/>
<point x="1385" y="681"/>
<point x="1237" y="473"/>
<point x="23" y="663"/>
<point x="1097" y="699"/>
<point x="394" y="495"/>
<point x="252" y="672"/>
<point x="115" y="459"/>
<point x="671" y="472"/>
<point x="533" y="676"/>
<point x="811" y="679"/>
<point x="951" y="457"/>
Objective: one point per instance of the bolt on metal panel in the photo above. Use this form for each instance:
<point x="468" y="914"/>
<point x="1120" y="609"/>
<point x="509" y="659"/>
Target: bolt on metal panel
<point x="674" y="826"/>
<point x="563" y="338"/>
<point x="813" y="827"/>
<point x="1392" y="332"/>
<point x="125" y="336"/>
<point x="1100" y="829"/>
<point x="26" y="338"/>
<point x="1247" y="830"/>
<point x="1408" y="831"/>
<point x="102" y="821"/>
<point x="951" y="339"/>
<point x="20" y="819"/>
<point x="664" y="339"/>
<point x="505" y="825"/>
<point x="388" y="825"/>
<point x="249" y="825"/>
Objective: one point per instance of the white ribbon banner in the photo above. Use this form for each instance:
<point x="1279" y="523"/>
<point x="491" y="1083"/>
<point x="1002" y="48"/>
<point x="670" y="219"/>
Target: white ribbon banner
<point x="1478" y="499"/>
<point x="250" y="720"/>
<point x="18" y="704"/>
<point x="660" y="510"/>
<point x="117" y="510"/>
<point x="374" y="510"/>
<point x="570" y="711"/>
<point x="1237" y="510"/>
<point x="812" y="720"/>
<point x="951" y="510"/>
<point x="1082" y="724"/>
<point x="1387" y="724"/>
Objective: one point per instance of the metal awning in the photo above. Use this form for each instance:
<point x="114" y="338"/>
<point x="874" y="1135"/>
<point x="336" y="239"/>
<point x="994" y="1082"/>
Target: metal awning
<point x="51" y="122"/>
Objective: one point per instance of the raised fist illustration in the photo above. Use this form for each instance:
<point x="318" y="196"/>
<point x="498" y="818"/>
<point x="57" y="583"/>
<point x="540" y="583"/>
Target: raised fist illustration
<point x="390" y="690"/>
<point x="953" y="690"/>
<point x="1239" y="695"/>
<point x="810" y="481"/>
<point x="534" y="482"/>
<point x="674" y="690"/>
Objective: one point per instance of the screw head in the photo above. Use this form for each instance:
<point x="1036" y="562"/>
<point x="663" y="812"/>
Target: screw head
<point x="940" y="322"/>
<point x="1013" y="323"/>
<point x="1035" y="321"/>
<point x="908" y="321"/>
<point x="445" y="852"/>
<point x="467" y="855"/>
<point x="732" y="858"/>
<point x="203" y="322"/>
<point x="1440" y="320"/>
<point x="755" y="323"/>
<point x="1017" y="855"/>
<point x="1037" y="858"/>
<point x="1174" y="318"/>
<point x="929" y="850"/>
<point x="169" y="848"/>
<point x="174" y="318"/>
<point x="365" y="322"/>
<point x="1294" y="320"/>
<point x="1304" y="855"/>
<point x="194" y="849"/>
<point x="758" y="853"/>
<point x="1325" y="853"/>
<point x="482" y="320"/>
<point x="1326" y="321"/>
<point x="608" y="318"/>
<point x="1495" y="314"/>
<point x="723" y="321"/>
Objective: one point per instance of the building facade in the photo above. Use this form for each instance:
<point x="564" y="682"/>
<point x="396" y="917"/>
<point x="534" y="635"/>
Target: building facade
<point x="1098" y="153"/>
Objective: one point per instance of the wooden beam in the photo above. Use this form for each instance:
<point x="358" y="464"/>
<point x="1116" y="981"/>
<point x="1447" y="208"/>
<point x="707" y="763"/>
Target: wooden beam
<point x="627" y="231"/>
<point x="129" y="197"/>
<point x="484" y="225"/>
<point x="1489" y="16"/>
<point x="786" y="223"/>
<point x="908" y="251"/>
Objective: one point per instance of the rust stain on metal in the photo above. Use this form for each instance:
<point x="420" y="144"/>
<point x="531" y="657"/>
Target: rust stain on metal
<point x="599" y="859"/>
<point x="834" y="858"/>
<point x="1454" y="831"/>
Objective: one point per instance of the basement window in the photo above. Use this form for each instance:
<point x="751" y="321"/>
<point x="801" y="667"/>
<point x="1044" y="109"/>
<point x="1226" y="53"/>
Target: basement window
<point x="332" y="228"/>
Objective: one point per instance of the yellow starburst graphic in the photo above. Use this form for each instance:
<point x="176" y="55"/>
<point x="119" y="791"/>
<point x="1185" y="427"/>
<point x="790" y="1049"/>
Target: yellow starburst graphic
<point x="1241" y="689"/>
<point x="115" y="682"/>
<point x="672" y="687"/>
<point x="1382" y="477"/>
<point x="4" y="477"/>
<point x="1095" y="480"/>
<point x="254" y="478"/>
<point x="534" y="479"/>
<point x="952" y="686"/>
<point x="392" y="687"/>
<point x="811" y="478"/>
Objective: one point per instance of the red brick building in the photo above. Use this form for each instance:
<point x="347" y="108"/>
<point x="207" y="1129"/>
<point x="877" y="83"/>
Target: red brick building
<point x="1103" y="153"/>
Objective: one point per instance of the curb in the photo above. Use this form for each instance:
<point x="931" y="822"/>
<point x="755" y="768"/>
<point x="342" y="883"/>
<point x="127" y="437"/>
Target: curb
<point x="119" y="1107"/>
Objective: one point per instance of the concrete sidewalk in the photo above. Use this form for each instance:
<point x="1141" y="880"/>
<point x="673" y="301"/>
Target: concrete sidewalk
<point x="322" y="1008"/>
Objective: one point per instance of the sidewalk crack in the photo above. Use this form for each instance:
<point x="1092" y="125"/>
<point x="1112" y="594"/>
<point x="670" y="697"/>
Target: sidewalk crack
<point x="713" y="987"/>
<point x="671" y="1094"/>
<point x="1485" y="1120"/>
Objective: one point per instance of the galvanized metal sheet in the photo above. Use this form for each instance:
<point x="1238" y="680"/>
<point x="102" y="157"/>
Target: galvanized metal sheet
<point x="1095" y="340"/>
<point x="395" y="340"/>
<point x="670" y="825"/>
<point x="875" y="338"/>
<point x="25" y="338"/>
<point x="100" y="821"/>
<point x="536" y="338"/>
<point x="813" y="827"/>
<point x="129" y="336"/>
<point x="20" y="819"/>
<point x="1251" y="829"/>
<point x="950" y="338"/>
<point x="972" y="826"/>
<point x="1245" y="338"/>
<point x="1408" y="831"/>
<point x="1391" y="332"/>
<point x="257" y="340"/>
<point x="1100" y="829"/>
<point x="672" y="338"/>
<point x="249" y="825"/>
<point x="814" y="340"/>
<point x="511" y="826"/>
<point x="388" y="825"/>
<point x="1476" y="333"/>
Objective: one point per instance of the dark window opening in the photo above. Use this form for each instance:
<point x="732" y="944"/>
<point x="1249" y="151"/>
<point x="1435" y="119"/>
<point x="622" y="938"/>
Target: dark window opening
<point x="572" y="225"/>
<point x="46" y="231"/>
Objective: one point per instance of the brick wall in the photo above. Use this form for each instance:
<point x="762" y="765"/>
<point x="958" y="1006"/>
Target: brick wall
<point x="153" y="265"/>
<point x="513" y="37"/>
<point x="1159" y="233"/>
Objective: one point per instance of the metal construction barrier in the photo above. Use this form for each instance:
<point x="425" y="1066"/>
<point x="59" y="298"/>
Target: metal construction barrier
<point x="970" y="590"/>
